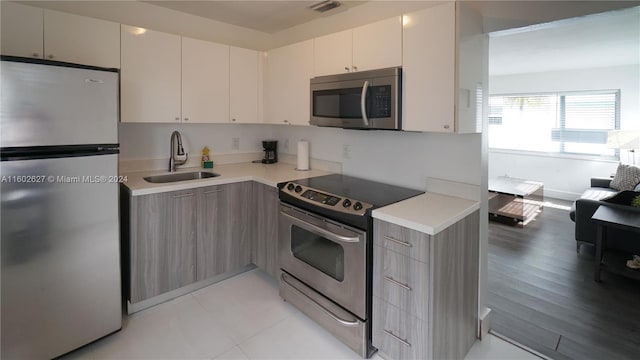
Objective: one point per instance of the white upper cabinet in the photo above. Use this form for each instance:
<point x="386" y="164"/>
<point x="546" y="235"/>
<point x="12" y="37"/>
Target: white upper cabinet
<point x="373" y="46"/>
<point x="244" y="85"/>
<point x="168" y="78"/>
<point x="81" y="40"/>
<point x="378" y="45"/>
<point x="333" y="53"/>
<point x="150" y="76"/>
<point x="443" y="69"/>
<point x="205" y="82"/>
<point x="289" y="69"/>
<point x="33" y="32"/>
<point x="22" y="30"/>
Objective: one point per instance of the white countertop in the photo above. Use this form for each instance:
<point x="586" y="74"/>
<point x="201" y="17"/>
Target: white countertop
<point x="268" y="174"/>
<point x="429" y="213"/>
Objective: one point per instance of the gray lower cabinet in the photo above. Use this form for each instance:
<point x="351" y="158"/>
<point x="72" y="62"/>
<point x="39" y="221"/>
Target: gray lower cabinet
<point x="425" y="290"/>
<point x="162" y="248"/>
<point x="180" y="237"/>
<point x="264" y="253"/>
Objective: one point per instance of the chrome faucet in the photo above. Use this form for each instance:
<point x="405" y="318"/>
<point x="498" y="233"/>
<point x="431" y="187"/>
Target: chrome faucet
<point x="172" y="160"/>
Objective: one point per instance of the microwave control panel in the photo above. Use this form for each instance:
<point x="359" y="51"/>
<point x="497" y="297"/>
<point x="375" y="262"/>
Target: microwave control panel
<point x="380" y="102"/>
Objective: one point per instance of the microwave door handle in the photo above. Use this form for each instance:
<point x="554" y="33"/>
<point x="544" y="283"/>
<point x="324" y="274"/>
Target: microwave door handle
<point x="363" y="103"/>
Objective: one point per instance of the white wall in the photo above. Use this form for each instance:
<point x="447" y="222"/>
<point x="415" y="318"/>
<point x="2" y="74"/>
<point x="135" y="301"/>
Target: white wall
<point x="566" y="177"/>
<point x="151" y="141"/>
<point x="400" y="158"/>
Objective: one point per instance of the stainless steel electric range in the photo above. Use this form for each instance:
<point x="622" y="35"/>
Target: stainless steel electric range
<point x="325" y="251"/>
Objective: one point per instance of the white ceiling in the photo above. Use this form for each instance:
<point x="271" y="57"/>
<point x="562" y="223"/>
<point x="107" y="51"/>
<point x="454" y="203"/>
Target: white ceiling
<point x="265" y="16"/>
<point x="600" y="40"/>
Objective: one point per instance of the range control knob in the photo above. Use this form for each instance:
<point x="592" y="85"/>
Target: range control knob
<point x="357" y="206"/>
<point x="298" y="188"/>
<point x="346" y="203"/>
<point x="290" y="186"/>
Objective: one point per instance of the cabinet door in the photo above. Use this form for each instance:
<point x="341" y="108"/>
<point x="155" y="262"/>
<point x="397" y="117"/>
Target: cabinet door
<point x="213" y="231"/>
<point x="237" y="247"/>
<point x="289" y="69"/>
<point x="149" y="76"/>
<point x="162" y="243"/>
<point x="205" y="82"/>
<point x="429" y="63"/>
<point x="81" y="40"/>
<point x="472" y="66"/>
<point x="378" y="45"/>
<point x="243" y="85"/>
<point x="265" y="247"/>
<point x="22" y="30"/>
<point x="333" y="53"/>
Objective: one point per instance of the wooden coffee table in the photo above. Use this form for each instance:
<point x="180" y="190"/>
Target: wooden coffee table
<point x="514" y="199"/>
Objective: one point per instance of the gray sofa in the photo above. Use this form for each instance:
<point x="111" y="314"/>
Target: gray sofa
<point x="585" y="229"/>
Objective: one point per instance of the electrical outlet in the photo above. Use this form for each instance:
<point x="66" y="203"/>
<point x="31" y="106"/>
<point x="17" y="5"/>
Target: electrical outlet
<point x="235" y="143"/>
<point x="285" y="146"/>
<point x="346" y="151"/>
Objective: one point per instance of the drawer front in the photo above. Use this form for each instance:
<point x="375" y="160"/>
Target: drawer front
<point x="398" y="335"/>
<point x="402" y="240"/>
<point x="401" y="281"/>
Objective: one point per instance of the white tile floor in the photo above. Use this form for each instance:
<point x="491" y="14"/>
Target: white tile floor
<point x="239" y="318"/>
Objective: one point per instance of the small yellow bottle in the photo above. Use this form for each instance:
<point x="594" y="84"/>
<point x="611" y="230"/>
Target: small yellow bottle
<point x="207" y="163"/>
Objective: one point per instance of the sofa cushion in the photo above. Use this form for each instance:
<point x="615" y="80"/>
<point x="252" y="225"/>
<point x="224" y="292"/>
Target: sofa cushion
<point x="627" y="177"/>
<point x="597" y="194"/>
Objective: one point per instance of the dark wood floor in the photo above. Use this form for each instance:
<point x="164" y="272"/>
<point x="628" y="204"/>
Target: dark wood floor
<point x="543" y="295"/>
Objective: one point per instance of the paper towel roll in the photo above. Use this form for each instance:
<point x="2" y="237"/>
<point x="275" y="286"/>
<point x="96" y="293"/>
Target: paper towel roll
<point x="303" y="155"/>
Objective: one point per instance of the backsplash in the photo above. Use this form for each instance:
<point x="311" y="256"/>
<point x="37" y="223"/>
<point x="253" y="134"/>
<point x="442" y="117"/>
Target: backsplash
<point x="151" y="141"/>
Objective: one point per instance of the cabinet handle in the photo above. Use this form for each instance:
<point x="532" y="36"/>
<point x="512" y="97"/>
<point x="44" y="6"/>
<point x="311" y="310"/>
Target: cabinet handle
<point x="394" y="281"/>
<point x="186" y="119"/>
<point x="446" y="126"/>
<point x="346" y="68"/>
<point x="182" y="195"/>
<point x="50" y="56"/>
<point x="286" y="121"/>
<point x="35" y="55"/>
<point x="234" y="119"/>
<point x="404" y="243"/>
<point x="355" y="68"/>
<point x="213" y="191"/>
<point x="405" y="342"/>
<point x="177" y="118"/>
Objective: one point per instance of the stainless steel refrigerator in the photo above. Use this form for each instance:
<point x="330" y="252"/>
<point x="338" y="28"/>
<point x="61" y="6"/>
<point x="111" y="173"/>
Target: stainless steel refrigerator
<point x="60" y="253"/>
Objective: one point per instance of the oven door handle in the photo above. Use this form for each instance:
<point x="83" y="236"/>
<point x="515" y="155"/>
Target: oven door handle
<point x="317" y="229"/>
<point x="335" y="317"/>
<point x="363" y="103"/>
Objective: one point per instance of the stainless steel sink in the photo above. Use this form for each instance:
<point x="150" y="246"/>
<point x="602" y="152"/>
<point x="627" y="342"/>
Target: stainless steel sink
<point x="180" y="177"/>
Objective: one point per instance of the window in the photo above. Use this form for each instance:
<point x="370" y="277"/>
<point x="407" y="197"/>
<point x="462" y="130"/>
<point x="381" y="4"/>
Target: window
<point x="575" y="123"/>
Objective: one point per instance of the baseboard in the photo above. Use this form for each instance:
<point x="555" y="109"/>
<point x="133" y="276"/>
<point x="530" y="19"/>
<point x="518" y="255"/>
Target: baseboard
<point x="562" y="195"/>
<point x="485" y="323"/>
<point x="144" y="304"/>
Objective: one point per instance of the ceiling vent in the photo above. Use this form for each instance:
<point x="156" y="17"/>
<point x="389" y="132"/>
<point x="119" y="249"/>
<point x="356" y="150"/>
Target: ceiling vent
<point x="324" y="6"/>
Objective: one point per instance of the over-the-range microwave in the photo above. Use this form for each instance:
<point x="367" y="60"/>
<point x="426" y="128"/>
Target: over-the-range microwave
<point x="358" y="100"/>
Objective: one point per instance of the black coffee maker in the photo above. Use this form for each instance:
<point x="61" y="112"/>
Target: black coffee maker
<point x="270" y="151"/>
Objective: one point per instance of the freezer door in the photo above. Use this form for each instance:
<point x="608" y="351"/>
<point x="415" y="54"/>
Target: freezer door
<point x="60" y="255"/>
<point x="56" y="105"/>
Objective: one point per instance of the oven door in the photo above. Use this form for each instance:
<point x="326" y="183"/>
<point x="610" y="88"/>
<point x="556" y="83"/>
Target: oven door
<point x="327" y="256"/>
